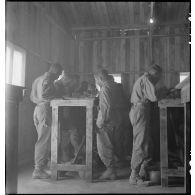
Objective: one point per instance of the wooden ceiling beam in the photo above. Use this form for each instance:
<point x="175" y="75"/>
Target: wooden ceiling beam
<point x="127" y="27"/>
<point x="111" y="27"/>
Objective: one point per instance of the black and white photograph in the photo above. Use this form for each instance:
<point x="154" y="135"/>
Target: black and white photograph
<point x="97" y="97"/>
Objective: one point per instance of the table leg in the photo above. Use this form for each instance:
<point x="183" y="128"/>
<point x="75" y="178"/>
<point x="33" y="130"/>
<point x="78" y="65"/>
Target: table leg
<point x="163" y="147"/>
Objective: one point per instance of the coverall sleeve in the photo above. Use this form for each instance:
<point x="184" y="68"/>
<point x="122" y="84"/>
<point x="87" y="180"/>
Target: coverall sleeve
<point x="48" y="89"/>
<point x="104" y="105"/>
<point x="149" y="91"/>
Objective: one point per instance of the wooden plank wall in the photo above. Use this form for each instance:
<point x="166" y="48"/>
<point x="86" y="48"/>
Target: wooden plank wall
<point x="45" y="41"/>
<point x="131" y="56"/>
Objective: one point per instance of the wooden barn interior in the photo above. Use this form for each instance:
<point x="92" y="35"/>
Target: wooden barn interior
<point x="125" y="38"/>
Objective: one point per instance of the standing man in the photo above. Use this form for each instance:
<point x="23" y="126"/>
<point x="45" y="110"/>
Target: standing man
<point x="43" y="91"/>
<point x="120" y="136"/>
<point x="142" y="95"/>
<point x="108" y="120"/>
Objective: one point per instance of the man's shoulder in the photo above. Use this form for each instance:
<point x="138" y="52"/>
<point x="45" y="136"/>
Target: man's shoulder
<point x="37" y="79"/>
<point x="143" y="78"/>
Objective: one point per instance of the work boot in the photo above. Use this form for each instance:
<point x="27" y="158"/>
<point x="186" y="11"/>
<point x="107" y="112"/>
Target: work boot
<point x="109" y="174"/>
<point x="135" y="179"/>
<point x="143" y="174"/>
<point x="40" y="174"/>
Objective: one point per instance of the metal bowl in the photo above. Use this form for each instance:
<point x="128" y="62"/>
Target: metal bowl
<point x="155" y="177"/>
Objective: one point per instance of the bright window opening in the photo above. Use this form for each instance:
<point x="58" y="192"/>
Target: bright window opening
<point x="183" y="75"/>
<point x="15" y="65"/>
<point x="117" y="78"/>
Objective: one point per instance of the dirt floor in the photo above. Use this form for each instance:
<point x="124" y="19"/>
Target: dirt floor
<point x="76" y="185"/>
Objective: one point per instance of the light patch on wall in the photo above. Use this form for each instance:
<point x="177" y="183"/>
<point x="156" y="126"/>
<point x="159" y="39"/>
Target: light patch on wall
<point x="183" y="75"/>
<point x="117" y="77"/>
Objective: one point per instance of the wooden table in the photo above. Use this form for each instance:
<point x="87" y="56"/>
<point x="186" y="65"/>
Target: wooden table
<point x="165" y="171"/>
<point x="185" y="99"/>
<point x="55" y="134"/>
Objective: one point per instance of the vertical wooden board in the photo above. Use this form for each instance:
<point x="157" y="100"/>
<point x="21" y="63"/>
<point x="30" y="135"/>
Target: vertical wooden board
<point x="172" y="54"/>
<point x="117" y="56"/>
<point x="90" y="56"/>
<point x="131" y="12"/>
<point x="141" y="13"/>
<point x="146" y="10"/>
<point x="114" y="15"/>
<point x="53" y="42"/>
<point x="156" y="51"/>
<point x="127" y="55"/>
<point x="89" y="135"/>
<point x="61" y="43"/>
<point x="109" y="55"/>
<point x="125" y="12"/>
<point x="103" y="50"/>
<point x="94" y="59"/>
<point x="182" y="53"/>
<point x="10" y="20"/>
<point x="61" y="54"/>
<point x="114" y="55"/>
<point x="66" y="52"/>
<point x="34" y="28"/>
<point x="23" y="35"/>
<point x="187" y="54"/>
<point x="106" y="49"/>
<point x="166" y="49"/>
<point x="137" y="54"/>
<point x="44" y="28"/>
<point x="85" y="58"/>
<point x="159" y="46"/>
<point x="132" y="55"/>
<point x="76" y="56"/>
<point x="27" y="32"/>
<point x="105" y="17"/>
<point x="168" y="60"/>
<point x="54" y="136"/>
<point x="122" y="55"/>
<point x="99" y="56"/>
<point x="177" y="52"/>
<point x="81" y="61"/>
<point x="136" y="12"/>
<point x="147" y="59"/>
<point x="141" y="54"/>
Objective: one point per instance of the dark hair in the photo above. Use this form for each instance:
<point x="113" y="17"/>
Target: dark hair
<point x="102" y="74"/>
<point x="55" y="68"/>
<point x="111" y="78"/>
<point x="155" y="68"/>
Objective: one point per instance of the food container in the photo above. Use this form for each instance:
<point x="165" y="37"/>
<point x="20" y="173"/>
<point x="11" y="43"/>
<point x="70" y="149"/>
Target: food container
<point x="155" y="177"/>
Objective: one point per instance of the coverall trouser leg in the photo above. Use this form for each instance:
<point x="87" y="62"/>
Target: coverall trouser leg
<point x="42" y="121"/>
<point x="105" y="146"/>
<point x="140" y="117"/>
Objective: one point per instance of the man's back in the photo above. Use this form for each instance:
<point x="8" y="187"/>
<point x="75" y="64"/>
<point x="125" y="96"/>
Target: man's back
<point x="109" y="102"/>
<point x="143" y="90"/>
<point x="43" y="89"/>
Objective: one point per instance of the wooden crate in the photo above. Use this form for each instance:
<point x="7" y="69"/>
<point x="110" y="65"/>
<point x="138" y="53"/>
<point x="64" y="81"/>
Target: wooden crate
<point x="55" y="133"/>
